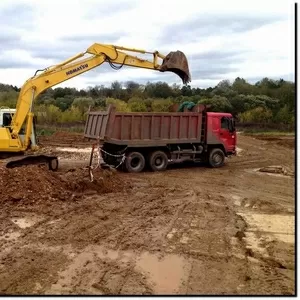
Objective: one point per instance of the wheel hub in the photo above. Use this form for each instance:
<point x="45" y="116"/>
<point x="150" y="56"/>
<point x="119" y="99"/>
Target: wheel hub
<point x="217" y="158"/>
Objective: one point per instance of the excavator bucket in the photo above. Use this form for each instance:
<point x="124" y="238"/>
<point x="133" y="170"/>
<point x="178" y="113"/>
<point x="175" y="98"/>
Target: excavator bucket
<point x="177" y="63"/>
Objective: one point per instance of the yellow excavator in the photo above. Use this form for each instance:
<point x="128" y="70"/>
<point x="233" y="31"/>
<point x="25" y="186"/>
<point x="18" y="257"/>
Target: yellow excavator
<point x="17" y="130"/>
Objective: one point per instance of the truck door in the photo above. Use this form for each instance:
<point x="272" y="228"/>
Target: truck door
<point x="228" y="134"/>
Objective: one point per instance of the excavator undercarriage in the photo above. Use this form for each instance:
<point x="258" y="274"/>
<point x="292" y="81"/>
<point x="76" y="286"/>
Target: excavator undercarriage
<point x="40" y="159"/>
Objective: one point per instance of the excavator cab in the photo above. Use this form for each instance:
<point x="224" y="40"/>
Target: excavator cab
<point x="177" y="63"/>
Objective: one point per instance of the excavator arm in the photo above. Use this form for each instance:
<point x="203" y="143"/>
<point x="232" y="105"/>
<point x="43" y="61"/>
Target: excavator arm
<point x="175" y="62"/>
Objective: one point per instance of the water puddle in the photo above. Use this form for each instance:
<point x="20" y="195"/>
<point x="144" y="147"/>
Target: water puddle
<point x="166" y="274"/>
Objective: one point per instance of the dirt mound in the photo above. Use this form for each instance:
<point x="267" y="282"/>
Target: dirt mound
<point x="105" y="181"/>
<point x="29" y="185"/>
<point x="32" y="184"/>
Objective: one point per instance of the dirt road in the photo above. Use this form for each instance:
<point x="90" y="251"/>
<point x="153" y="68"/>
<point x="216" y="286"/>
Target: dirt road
<point x="189" y="230"/>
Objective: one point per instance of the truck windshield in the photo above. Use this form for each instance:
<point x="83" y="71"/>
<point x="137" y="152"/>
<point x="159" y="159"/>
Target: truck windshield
<point x="228" y="123"/>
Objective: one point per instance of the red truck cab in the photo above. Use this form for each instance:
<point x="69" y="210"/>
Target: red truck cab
<point x="221" y="129"/>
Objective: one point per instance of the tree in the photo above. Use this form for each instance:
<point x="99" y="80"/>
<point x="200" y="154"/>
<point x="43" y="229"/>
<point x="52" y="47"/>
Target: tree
<point x="284" y="116"/>
<point x="83" y="104"/>
<point x="257" y="115"/>
<point x="118" y="104"/>
<point x="186" y="90"/>
<point x="137" y="106"/>
<point x="161" y="105"/>
<point x="116" y="89"/>
<point x="217" y="104"/>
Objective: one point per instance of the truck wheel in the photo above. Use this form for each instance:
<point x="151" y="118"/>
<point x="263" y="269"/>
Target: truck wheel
<point x="216" y="158"/>
<point x="135" y="162"/>
<point x="158" y="161"/>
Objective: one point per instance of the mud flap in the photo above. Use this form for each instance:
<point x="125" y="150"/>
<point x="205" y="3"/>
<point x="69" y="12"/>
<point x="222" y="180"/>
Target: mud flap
<point x="177" y="63"/>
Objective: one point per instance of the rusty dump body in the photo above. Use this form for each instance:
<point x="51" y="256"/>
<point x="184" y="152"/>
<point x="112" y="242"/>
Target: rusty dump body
<point x="144" y="129"/>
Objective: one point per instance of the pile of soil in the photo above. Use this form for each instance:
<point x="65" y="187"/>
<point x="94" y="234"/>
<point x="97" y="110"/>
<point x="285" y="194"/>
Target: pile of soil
<point x="36" y="184"/>
<point x="31" y="184"/>
<point x="104" y="181"/>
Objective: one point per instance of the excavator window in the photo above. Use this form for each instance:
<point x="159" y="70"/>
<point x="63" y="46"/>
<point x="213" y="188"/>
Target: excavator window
<point x="6" y="119"/>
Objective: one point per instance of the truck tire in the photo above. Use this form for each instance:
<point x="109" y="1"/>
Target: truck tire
<point x="216" y="158"/>
<point x="158" y="161"/>
<point x="135" y="162"/>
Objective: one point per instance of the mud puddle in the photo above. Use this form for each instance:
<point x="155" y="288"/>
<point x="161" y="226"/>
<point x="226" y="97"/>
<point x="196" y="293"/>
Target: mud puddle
<point x="168" y="275"/>
<point x="98" y="270"/>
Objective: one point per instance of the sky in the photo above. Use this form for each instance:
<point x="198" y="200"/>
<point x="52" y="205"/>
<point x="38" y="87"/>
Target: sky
<point x="221" y="39"/>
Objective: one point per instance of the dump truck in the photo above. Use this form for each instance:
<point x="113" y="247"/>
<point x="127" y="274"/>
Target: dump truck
<point x="136" y="140"/>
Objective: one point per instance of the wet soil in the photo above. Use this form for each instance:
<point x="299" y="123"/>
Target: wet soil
<point x="188" y="230"/>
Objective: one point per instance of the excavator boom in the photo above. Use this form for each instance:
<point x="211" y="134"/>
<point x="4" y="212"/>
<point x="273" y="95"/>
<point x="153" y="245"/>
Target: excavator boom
<point x="97" y="54"/>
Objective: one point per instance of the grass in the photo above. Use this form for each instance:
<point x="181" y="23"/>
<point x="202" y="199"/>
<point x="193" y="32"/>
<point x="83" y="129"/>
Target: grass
<point x="49" y="130"/>
<point x="268" y="133"/>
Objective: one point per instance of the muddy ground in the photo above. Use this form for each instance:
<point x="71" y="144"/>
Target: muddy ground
<point x="189" y="230"/>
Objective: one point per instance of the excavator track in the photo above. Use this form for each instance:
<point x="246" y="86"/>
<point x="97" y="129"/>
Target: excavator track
<point x="18" y="161"/>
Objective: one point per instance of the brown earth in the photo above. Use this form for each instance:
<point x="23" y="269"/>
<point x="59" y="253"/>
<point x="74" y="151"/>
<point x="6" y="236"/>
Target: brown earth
<point x="62" y="138"/>
<point x="188" y="230"/>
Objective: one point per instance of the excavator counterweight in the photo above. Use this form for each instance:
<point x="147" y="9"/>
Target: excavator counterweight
<point x="177" y="63"/>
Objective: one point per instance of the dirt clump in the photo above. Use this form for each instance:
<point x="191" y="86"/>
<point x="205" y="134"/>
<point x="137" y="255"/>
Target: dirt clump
<point x="32" y="185"/>
<point x="104" y="181"/>
<point x="277" y="170"/>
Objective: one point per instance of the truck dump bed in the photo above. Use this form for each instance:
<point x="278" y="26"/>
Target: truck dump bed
<point x="143" y="129"/>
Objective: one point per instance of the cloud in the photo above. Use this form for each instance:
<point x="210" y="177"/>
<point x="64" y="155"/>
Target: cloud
<point x="20" y="13"/>
<point x="67" y="46"/>
<point x="221" y="39"/>
<point x="204" y="26"/>
<point x="109" y="8"/>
